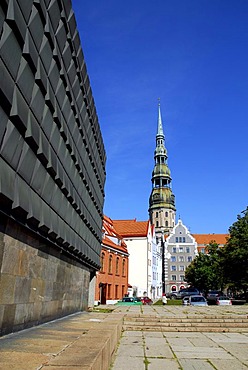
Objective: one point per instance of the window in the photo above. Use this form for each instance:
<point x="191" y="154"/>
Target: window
<point x="181" y="258"/>
<point x="173" y="268"/>
<point x="166" y="223"/>
<point x="156" y="223"/>
<point x="102" y="261"/>
<point x="174" y="250"/>
<point x="181" y="268"/>
<point x="166" y="214"/>
<point x="189" y="259"/>
<point x="123" y="267"/>
<point x="109" y="291"/>
<point x="156" y="214"/>
<point x="176" y="239"/>
<point x="117" y="266"/>
<point x="203" y="250"/>
<point x="180" y="249"/>
<point x="110" y="264"/>
<point x="187" y="249"/>
<point x="180" y="239"/>
<point x="173" y="277"/>
<point x="116" y="291"/>
<point x="183" y="239"/>
<point x="181" y="277"/>
<point x="173" y="258"/>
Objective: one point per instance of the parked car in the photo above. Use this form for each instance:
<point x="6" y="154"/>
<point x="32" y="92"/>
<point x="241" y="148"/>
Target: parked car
<point x="223" y="301"/>
<point x="185" y="300"/>
<point x="146" y="300"/>
<point x="241" y="298"/>
<point x="128" y="301"/>
<point x="197" y="300"/>
<point x="213" y="295"/>
<point x="183" y="292"/>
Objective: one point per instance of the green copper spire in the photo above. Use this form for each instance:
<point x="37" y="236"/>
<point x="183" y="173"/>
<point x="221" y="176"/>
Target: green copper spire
<point x="162" y="200"/>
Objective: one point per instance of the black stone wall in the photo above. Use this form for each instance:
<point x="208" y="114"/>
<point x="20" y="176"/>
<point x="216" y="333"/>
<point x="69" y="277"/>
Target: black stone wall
<point x="52" y="157"/>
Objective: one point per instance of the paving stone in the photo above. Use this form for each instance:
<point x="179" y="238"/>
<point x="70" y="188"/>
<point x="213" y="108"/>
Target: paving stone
<point x="196" y="364"/>
<point x="163" y="363"/>
<point x="228" y="364"/>
<point x="200" y="352"/>
<point x="136" y="363"/>
<point x="238" y="350"/>
<point x="130" y="350"/>
<point x="203" y="342"/>
<point x="155" y="347"/>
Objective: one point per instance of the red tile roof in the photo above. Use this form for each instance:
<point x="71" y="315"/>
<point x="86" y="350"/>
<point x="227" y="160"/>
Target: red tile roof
<point x="110" y="234"/>
<point x="131" y="228"/>
<point x="203" y="239"/>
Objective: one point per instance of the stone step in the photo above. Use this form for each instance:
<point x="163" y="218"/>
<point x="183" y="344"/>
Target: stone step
<point x="185" y="324"/>
<point x="166" y="317"/>
<point x="186" y="320"/>
<point x="220" y="323"/>
<point x="187" y="329"/>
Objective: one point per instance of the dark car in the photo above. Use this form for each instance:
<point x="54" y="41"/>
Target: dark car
<point x="146" y="300"/>
<point x="239" y="299"/>
<point x="183" y="292"/>
<point x="213" y="295"/>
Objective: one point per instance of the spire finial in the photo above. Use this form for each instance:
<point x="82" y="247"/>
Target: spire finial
<point x="160" y="125"/>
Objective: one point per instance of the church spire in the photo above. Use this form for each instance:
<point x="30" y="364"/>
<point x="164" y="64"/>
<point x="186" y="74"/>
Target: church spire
<point x="160" y="131"/>
<point x="162" y="201"/>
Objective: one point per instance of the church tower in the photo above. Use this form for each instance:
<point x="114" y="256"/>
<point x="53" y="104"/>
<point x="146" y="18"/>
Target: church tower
<point x="162" y="209"/>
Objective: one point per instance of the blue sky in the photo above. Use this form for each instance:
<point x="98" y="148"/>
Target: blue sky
<point x="193" y="55"/>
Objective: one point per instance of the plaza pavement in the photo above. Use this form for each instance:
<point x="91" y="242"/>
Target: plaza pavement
<point x="95" y="341"/>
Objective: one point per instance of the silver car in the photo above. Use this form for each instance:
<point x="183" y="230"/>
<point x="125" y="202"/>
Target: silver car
<point x="197" y="300"/>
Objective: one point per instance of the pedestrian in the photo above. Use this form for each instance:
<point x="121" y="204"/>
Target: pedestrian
<point x="164" y="299"/>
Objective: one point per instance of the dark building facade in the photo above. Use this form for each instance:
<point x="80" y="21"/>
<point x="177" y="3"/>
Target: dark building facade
<point x="52" y="166"/>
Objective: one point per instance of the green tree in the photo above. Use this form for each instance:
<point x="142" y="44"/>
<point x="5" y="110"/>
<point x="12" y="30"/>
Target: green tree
<point x="236" y="254"/>
<point x="206" y="270"/>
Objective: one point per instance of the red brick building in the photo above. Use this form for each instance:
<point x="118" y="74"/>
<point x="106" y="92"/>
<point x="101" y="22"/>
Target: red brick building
<point x="112" y="279"/>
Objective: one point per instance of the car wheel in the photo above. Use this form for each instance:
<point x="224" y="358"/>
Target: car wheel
<point x="173" y="297"/>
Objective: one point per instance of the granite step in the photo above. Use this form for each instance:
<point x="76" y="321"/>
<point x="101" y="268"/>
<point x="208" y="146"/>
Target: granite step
<point x="232" y="323"/>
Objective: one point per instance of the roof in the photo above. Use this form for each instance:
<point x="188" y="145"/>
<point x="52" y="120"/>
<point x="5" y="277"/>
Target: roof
<point x="131" y="228"/>
<point x="203" y="239"/>
<point x="111" y="238"/>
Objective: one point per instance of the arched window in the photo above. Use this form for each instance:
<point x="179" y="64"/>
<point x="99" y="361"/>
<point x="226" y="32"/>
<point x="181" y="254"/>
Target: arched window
<point x="102" y="261"/>
<point x="166" y="214"/>
<point x="117" y="266"/>
<point x="110" y="264"/>
<point x="123" y="267"/>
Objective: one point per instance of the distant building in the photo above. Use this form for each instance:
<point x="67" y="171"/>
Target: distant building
<point x="52" y="166"/>
<point x="144" y="257"/>
<point x="180" y="250"/>
<point x="112" y="279"/>
<point x="204" y="239"/>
